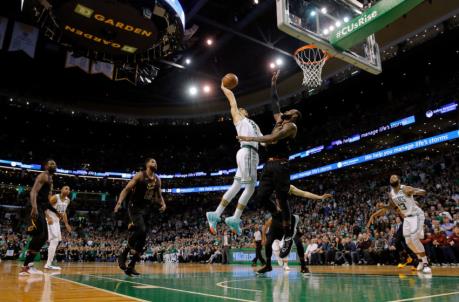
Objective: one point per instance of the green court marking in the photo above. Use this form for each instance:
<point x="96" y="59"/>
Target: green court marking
<point x="276" y="286"/>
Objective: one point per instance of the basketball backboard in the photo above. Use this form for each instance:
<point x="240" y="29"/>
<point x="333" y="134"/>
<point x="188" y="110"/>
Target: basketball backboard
<point x="313" y="21"/>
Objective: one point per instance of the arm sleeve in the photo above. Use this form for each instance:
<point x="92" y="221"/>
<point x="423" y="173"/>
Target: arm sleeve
<point x="275" y="99"/>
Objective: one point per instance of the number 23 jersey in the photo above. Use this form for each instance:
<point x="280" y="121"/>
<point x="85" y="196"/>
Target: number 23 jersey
<point x="405" y="203"/>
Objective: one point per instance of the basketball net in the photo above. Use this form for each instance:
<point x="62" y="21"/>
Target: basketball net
<point x="311" y="60"/>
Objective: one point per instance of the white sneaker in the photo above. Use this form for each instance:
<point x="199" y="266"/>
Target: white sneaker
<point x="286" y="267"/>
<point x="34" y="271"/>
<point x="426" y="270"/>
<point x="52" y="267"/>
<point x="24" y="271"/>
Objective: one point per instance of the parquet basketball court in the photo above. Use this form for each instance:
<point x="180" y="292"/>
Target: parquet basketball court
<point x="200" y="282"/>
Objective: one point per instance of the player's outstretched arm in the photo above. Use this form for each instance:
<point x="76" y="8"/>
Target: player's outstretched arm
<point x="275" y="97"/>
<point x="233" y="104"/>
<point x="305" y="194"/>
<point x="287" y="131"/>
<point x="378" y="213"/>
<point x="410" y="191"/>
<point x="130" y="185"/>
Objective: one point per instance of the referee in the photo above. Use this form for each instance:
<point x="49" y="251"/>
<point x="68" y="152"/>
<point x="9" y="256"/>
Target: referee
<point x="258" y="245"/>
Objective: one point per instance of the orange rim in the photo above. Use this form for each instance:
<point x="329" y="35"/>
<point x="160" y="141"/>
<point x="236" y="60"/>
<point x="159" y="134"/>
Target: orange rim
<point x="312" y="46"/>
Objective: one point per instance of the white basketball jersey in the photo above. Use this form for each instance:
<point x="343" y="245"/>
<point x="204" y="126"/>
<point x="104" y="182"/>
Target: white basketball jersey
<point x="247" y="127"/>
<point x="405" y="203"/>
<point x="60" y="205"/>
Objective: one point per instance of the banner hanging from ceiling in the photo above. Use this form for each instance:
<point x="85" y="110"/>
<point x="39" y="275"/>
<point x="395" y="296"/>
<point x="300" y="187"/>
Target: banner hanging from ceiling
<point x="3" y="24"/>
<point x="24" y="38"/>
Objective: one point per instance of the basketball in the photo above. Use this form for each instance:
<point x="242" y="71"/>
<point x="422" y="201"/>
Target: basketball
<point x="230" y="80"/>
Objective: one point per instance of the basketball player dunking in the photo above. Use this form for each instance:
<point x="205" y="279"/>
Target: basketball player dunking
<point x="275" y="175"/>
<point x="39" y="198"/>
<point x="59" y="202"/>
<point x="246" y="174"/>
<point x="146" y="193"/>
<point x="402" y="197"/>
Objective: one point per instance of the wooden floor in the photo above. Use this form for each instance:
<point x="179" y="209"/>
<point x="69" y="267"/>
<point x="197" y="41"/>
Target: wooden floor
<point x="104" y="282"/>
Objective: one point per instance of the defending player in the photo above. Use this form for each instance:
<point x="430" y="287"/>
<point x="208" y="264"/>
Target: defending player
<point x="39" y="199"/>
<point x="276" y="172"/>
<point x="59" y="202"/>
<point x="273" y="237"/>
<point x="402" y="197"/>
<point x="246" y="174"/>
<point x="146" y="193"/>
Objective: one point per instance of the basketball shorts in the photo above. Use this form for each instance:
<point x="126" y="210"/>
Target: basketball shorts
<point x="414" y="226"/>
<point x="247" y="162"/>
<point x="54" y="229"/>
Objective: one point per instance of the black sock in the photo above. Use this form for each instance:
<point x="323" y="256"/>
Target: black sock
<point x="135" y="258"/>
<point x="30" y="256"/>
<point x="125" y="252"/>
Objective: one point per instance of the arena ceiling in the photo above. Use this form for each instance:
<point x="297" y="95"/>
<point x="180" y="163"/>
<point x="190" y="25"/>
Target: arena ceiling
<point x="245" y="39"/>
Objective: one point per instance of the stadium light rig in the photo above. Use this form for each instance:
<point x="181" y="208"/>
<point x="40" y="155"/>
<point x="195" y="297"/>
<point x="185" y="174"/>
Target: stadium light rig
<point x="193" y="90"/>
<point x="206" y="89"/>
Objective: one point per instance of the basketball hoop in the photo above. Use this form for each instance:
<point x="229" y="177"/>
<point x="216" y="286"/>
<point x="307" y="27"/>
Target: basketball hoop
<point x="311" y="60"/>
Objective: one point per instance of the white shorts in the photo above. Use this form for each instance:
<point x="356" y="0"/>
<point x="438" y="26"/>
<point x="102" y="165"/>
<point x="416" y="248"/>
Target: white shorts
<point x="276" y="252"/>
<point x="414" y="226"/>
<point x="54" y="229"/>
<point x="247" y="163"/>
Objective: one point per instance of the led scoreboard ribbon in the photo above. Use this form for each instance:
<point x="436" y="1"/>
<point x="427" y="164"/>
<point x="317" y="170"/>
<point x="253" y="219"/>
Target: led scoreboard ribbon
<point x="433" y="140"/>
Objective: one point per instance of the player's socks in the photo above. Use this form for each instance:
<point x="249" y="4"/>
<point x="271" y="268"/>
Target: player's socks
<point x="30" y="256"/>
<point x="234" y="224"/>
<point x="424" y="260"/>
<point x="51" y="252"/>
<point x="228" y="197"/>
<point x="244" y="199"/>
<point x="122" y="258"/>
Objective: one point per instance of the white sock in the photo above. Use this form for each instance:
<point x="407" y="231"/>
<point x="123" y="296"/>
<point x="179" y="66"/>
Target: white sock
<point x="52" y="251"/>
<point x="228" y="196"/>
<point x="244" y="199"/>
<point x="424" y="259"/>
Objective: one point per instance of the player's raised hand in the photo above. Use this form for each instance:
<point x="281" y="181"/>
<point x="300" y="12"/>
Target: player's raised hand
<point x="326" y="196"/>
<point x="275" y="76"/>
<point x="226" y="91"/>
